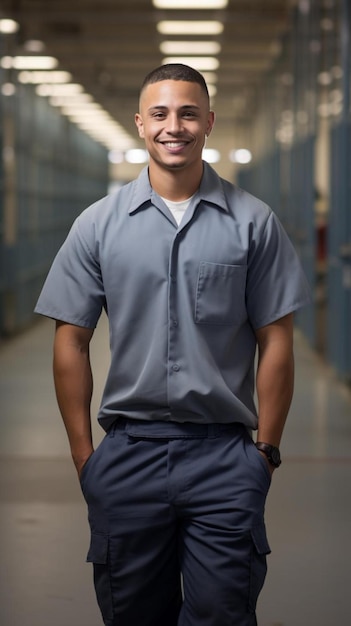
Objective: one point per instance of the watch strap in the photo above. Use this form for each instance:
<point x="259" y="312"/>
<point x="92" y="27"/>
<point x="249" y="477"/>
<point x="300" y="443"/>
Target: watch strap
<point x="272" y="452"/>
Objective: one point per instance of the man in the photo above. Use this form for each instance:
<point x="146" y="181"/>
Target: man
<point x="194" y="273"/>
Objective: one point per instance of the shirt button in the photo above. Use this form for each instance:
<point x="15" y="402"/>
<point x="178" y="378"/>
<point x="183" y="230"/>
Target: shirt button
<point x="175" y="323"/>
<point x="175" y="367"/>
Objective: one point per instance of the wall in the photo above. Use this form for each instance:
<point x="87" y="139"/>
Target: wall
<point x="50" y="172"/>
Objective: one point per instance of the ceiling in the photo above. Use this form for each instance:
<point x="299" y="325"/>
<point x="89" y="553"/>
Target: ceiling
<point x="110" y="45"/>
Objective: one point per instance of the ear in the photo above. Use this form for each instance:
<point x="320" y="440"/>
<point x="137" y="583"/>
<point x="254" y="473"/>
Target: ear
<point x="210" y="123"/>
<point x="139" y="124"/>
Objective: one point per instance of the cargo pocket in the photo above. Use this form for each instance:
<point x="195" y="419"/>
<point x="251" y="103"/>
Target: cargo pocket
<point x="260" y="549"/>
<point x="98" y="555"/>
<point x="220" y="294"/>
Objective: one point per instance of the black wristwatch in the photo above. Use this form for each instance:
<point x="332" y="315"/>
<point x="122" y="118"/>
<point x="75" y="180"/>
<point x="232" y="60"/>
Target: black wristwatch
<point x="272" y="453"/>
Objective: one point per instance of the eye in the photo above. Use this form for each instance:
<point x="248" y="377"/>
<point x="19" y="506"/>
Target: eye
<point x="158" y="115"/>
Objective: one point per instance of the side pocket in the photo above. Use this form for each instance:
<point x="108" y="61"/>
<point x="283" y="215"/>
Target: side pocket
<point x="85" y="467"/>
<point x="260" y="549"/>
<point x="98" y="555"/>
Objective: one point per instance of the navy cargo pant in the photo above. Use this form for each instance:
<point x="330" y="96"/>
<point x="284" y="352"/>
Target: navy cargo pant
<point x="177" y="524"/>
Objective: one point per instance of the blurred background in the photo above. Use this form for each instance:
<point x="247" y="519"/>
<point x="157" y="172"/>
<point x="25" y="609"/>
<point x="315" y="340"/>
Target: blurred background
<point x="279" y="75"/>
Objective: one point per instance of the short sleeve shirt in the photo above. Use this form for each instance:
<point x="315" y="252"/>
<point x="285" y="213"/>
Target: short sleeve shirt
<point x="183" y="302"/>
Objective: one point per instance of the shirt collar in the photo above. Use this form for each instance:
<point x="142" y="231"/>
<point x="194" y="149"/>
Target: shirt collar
<point x="210" y="190"/>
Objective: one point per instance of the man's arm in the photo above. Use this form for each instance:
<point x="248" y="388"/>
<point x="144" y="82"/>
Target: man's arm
<point x="275" y="378"/>
<point x="74" y="387"/>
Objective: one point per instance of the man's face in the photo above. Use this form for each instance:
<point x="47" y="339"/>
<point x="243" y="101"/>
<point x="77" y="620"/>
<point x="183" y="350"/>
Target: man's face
<point x="174" y="120"/>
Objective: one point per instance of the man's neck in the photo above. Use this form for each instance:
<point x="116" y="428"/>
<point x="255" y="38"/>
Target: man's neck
<point x="175" y="185"/>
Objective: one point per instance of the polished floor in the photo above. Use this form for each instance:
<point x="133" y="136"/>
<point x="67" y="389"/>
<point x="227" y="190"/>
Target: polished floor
<point x="44" y="580"/>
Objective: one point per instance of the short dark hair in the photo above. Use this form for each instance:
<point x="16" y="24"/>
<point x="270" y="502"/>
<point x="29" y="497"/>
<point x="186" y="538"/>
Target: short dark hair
<point x="175" y="71"/>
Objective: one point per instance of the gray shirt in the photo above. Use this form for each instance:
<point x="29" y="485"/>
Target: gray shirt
<point x="183" y="302"/>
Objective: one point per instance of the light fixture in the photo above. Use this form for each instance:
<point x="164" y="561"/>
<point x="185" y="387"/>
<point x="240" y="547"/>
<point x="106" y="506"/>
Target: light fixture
<point x="241" y="155"/>
<point x="137" y="156"/>
<point x="75" y="100"/>
<point x="210" y="77"/>
<point x="211" y="155"/>
<point x="324" y="78"/>
<point x="8" y="89"/>
<point x="324" y="109"/>
<point x="63" y="89"/>
<point x="76" y="105"/>
<point x="38" y="77"/>
<point x="327" y="24"/>
<point x="190" y="27"/>
<point x="336" y="71"/>
<point x="29" y="62"/>
<point x="87" y="115"/>
<point x="8" y="26"/>
<point x="190" y="47"/>
<point x="190" y="4"/>
<point x="198" y="63"/>
<point x="287" y="79"/>
<point x="34" y="45"/>
<point x="336" y="95"/>
<point x="116" y="156"/>
<point x="212" y="90"/>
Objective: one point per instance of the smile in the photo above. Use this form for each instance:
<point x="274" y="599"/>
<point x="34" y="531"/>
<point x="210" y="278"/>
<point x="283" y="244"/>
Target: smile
<point x="174" y="145"/>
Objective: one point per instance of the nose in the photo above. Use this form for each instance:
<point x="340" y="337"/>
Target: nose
<point x="174" y="124"/>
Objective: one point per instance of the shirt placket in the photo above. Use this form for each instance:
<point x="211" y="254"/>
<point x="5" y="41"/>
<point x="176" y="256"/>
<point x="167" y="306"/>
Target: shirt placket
<point x="174" y="364"/>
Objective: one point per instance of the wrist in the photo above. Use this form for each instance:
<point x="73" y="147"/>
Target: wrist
<point x="271" y="452"/>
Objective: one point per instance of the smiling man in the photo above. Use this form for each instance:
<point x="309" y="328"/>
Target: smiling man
<point x="194" y="274"/>
<point x="174" y="127"/>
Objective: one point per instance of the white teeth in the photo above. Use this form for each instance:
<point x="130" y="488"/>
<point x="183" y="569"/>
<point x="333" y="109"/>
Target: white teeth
<point x="174" y="144"/>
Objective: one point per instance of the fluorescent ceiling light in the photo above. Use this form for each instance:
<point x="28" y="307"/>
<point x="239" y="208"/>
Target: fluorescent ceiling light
<point x="76" y="100"/>
<point x="29" y="63"/>
<point x="34" y="45"/>
<point x="212" y="90"/>
<point x="198" y="63"/>
<point x="190" y="4"/>
<point x="64" y="89"/>
<point x="83" y="107"/>
<point x="190" y="27"/>
<point x="38" y="77"/>
<point x="7" y="26"/>
<point x="210" y="77"/>
<point x="190" y="47"/>
<point x="86" y="115"/>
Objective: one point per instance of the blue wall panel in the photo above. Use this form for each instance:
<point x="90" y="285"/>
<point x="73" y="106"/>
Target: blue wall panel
<point x="59" y="171"/>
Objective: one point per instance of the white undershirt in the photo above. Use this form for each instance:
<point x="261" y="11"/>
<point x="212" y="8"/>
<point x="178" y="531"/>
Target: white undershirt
<point x="177" y="208"/>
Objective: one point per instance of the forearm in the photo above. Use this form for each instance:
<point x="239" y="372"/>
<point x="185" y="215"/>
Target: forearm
<point x="275" y="381"/>
<point x="74" y="386"/>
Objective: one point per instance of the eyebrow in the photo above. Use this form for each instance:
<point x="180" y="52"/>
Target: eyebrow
<point x="185" y="107"/>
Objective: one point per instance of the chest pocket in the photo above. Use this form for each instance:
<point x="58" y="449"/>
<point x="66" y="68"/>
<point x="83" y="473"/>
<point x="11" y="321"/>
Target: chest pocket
<point x="220" y="294"/>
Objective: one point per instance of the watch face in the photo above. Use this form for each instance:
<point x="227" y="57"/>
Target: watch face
<point x="275" y="455"/>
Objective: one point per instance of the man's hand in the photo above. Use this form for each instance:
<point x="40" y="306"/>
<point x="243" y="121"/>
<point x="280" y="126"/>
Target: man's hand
<point x="270" y="466"/>
<point x="81" y="461"/>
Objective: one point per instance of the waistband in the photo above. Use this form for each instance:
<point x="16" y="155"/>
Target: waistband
<point x="143" y="429"/>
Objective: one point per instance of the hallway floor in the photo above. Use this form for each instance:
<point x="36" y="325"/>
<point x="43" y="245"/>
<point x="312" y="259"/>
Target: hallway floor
<point x="43" y="528"/>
